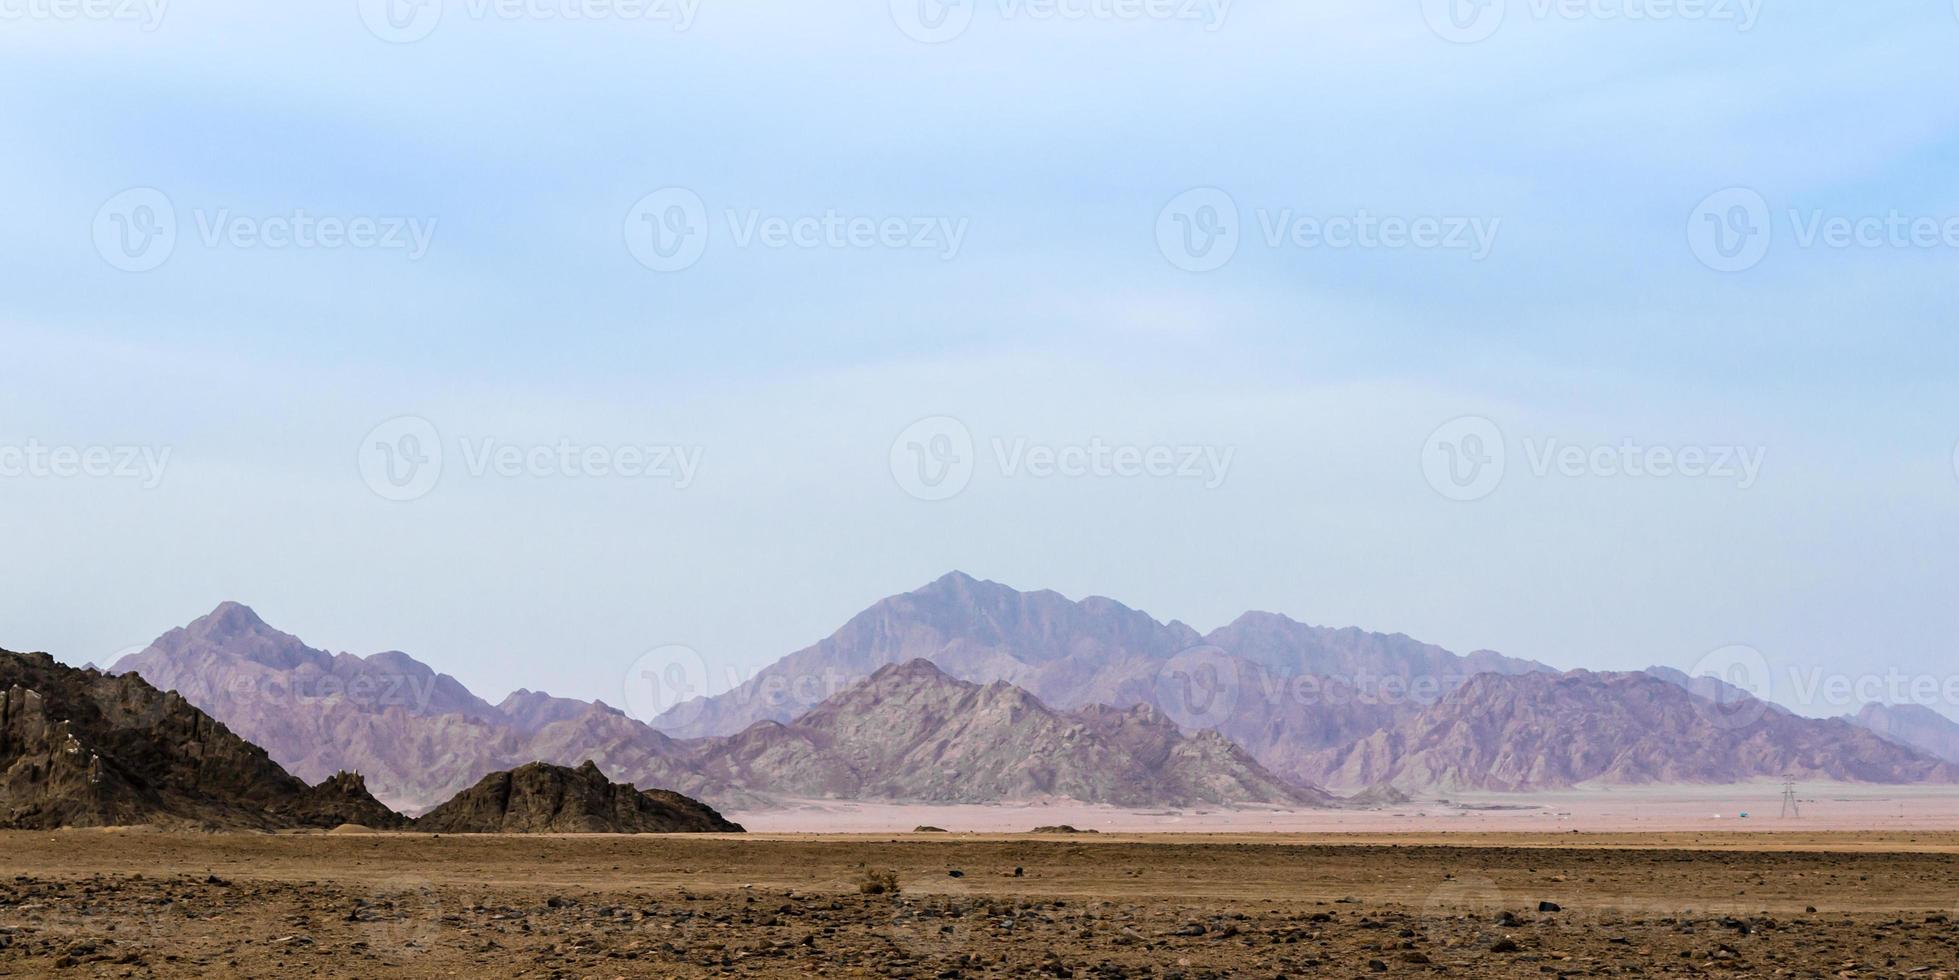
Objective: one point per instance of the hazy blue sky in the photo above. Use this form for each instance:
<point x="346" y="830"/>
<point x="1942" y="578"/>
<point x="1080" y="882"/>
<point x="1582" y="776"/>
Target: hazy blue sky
<point x="1040" y="165"/>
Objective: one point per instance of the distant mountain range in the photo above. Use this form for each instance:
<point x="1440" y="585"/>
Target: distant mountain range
<point x="418" y="737"/>
<point x="1912" y="725"/>
<point x="908" y="733"/>
<point x="967" y="691"/>
<point x="1098" y="651"/>
<point x="1549" y="731"/>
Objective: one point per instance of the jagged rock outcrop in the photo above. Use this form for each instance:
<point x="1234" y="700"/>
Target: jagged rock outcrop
<point x="547" y="799"/>
<point x="83" y="749"/>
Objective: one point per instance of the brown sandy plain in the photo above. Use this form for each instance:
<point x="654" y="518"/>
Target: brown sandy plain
<point x="1773" y="899"/>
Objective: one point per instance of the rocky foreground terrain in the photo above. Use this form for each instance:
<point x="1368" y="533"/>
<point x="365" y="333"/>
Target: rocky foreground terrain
<point x="82" y="749"/>
<point x="110" y="904"/>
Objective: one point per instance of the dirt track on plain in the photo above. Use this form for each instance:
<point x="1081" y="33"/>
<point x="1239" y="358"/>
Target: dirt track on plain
<point x="145" y="904"/>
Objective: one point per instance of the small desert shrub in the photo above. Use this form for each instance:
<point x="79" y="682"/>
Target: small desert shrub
<point x="879" y="883"/>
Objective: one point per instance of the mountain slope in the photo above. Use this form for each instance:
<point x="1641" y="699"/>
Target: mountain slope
<point x="82" y="749"/>
<point x="1913" y="726"/>
<point x="419" y="736"/>
<point x="911" y="733"/>
<point x="1545" y="731"/>
<point x="1293" y="689"/>
<point x="974" y="630"/>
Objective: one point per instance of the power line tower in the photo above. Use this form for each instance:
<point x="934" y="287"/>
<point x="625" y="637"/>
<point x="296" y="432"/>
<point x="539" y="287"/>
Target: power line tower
<point x="1791" y="807"/>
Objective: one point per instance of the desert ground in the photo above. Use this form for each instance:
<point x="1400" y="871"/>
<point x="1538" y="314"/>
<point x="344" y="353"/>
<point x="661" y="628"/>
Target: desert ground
<point x="1752" y="806"/>
<point x="1794" y="901"/>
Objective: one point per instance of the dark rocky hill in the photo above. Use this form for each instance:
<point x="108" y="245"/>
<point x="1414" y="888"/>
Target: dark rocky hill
<point x="545" y="799"/>
<point x="79" y="748"/>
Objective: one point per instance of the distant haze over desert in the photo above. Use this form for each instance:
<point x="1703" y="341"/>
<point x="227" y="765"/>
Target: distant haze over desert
<point x="966" y="490"/>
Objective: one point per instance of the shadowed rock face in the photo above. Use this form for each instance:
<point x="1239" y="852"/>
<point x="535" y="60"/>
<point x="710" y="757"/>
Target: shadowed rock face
<point x="1550" y="731"/>
<point x="82" y="749"/>
<point x="910" y="733"/>
<point x="545" y="799"/>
